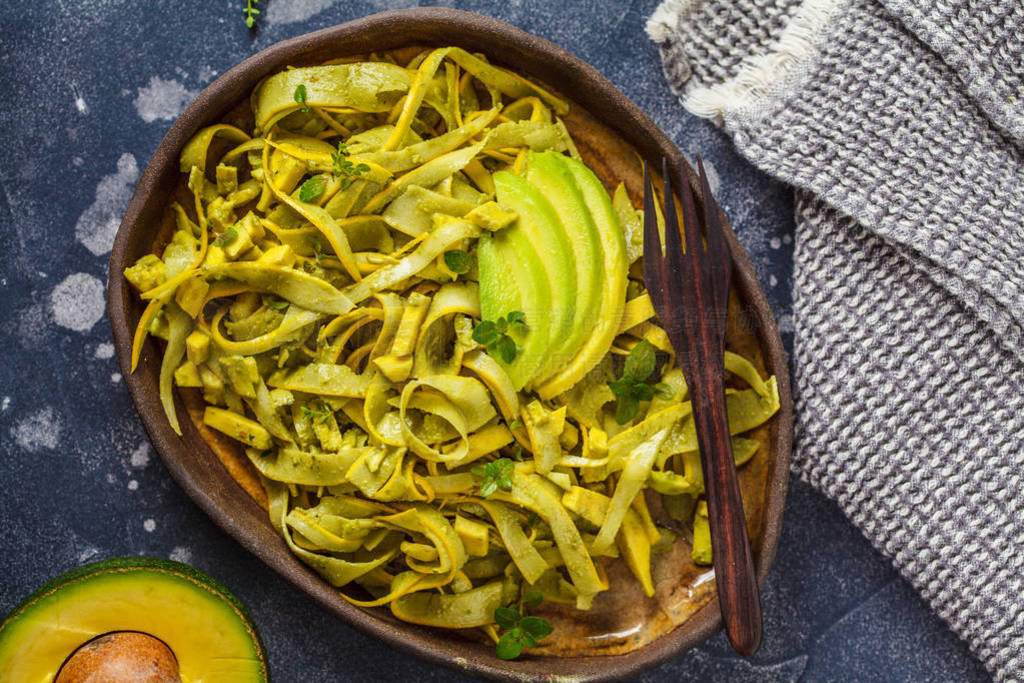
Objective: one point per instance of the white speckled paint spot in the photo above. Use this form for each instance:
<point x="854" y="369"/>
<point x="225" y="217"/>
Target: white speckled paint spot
<point x="163" y="99"/>
<point x="111" y="478"/>
<point x="77" y="303"/>
<point x="772" y="280"/>
<point x="80" y="103"/>
<point x="133" y="485"/>
<point x="104" y="351"/>
<point x="786" y="323"/>
<point x="206" y="73"/>
<point x="116" y="378"/>
<point x="32" y="324"/>
<point x="97" y="225"/>
<point x="88" y="554"/>
<point x="775" y="243"/>
<point x="295" y="10"/>
<point x="181" y="554"/>
<point x="5" y="404"/>
<point x="140" y="456"/>
<point x="149" y="525"/>
<point x="38" y="431"/>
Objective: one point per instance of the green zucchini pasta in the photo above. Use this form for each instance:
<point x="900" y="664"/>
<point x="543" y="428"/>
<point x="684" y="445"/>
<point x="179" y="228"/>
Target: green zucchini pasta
<point x="411" y="303"/>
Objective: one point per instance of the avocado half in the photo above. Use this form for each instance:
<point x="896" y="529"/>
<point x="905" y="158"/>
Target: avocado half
<point x="207" y="629"/>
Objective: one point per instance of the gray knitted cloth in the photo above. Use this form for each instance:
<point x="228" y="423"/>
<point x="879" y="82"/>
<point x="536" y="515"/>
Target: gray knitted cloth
<point x="901" y="126"/>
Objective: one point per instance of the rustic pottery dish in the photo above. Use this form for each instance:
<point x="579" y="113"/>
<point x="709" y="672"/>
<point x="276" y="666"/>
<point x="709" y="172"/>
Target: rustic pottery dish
<point x="628" y="635"/>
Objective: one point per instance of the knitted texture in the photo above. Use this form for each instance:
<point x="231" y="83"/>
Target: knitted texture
<point x="899" y="125"/>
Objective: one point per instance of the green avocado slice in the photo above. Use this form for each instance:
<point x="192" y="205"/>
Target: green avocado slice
<point x="207" y="629"/>
<point x="549" y="173"/>
<point x="613" y="284"/>
<point x="513" y="279"/>
<point x="539" y="226"/>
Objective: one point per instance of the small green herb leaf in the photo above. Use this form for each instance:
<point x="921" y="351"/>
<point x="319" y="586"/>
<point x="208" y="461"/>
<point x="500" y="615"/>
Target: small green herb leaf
<point x="318" y="250"/>
<point x="277" y="304"/>
<point x="640" y="362"/>
<point x="533" y="598"/>
<point x="319" y="414"/>
<point x="632" y="387"/>
<point x="344" y="169"/>
<point x="457" y="261"/>
<point x="495" y="475"/>
<point x="493" y="335"/>
<point x="300" y="96"/>
<point x="250" y="12"/>
<point x="536" y="626"/>
<point x="486" y="333"/>
<point x="626" y="409"/>
<point x="523" y="631"/>
<point x="505" y="348"/>
<point x="516" y="424"/>
<point x="226" y="237"/>
<point x="643" y="392"/>
<point x="663" y="390"/>
<point x="506" y="617"/>
<point x="509" y="646"/>
<point x="312" y="188"/>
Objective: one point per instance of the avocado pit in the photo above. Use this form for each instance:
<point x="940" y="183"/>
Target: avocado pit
<point x="122" y="656"/>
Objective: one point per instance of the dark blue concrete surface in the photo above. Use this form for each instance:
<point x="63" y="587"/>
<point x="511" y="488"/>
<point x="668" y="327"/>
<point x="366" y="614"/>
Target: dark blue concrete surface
<point x="87" y="90"/>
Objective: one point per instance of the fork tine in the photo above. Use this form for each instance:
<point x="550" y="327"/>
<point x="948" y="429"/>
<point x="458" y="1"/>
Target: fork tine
<point x="691" y="232"/>
<point x="656" y="273"/>
<point x="720" y="265"/>
<point x="651" y="236"/>
<point x="673" y="242"/>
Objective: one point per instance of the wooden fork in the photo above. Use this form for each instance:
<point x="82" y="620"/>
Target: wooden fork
<point x="690" y="292"/>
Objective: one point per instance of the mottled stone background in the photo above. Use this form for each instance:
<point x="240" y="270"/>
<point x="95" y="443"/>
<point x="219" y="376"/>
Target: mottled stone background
<point x="87" y="90"/>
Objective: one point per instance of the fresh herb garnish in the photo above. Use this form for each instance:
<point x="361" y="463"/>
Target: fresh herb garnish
<point x="632" y="387"/>
<point x="457" y="261"/>
<point x="300" y="96"/>
<point x="250" y="12"/>
<point x="277" y="304"/>
<point x="496" y="475"/>
<point x="226" y="237"/>
<point x="521" y="631"/>
<point x="344" y="168"/>
<point x="517" y="455"/>
<point x="493" y="335"/>
<point x="318" y="250"/>
<point x="516" y="424"/>
<point x="319" y="414"/>
<point x="312" y="188"/>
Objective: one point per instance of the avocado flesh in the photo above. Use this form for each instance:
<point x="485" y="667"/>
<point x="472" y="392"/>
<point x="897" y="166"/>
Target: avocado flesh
<point x="513" y="279"/>
<point x="539" y="226"/>
<point x="613" y="283"/>
<point x="549" y="173"/>
<point x="208" y="631"/>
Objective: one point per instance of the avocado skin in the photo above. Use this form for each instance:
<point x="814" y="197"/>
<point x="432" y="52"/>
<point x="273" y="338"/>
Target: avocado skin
<point x="152" y="565"/>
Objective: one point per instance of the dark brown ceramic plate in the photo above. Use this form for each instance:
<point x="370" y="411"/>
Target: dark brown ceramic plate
<point x="625" y="633"/>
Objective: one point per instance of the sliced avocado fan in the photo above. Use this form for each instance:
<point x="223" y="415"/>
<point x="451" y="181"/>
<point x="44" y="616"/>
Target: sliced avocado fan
<point x="206" y="628"/>
<point x="601" y="334"/>
<point x="531" y="259"/>
<point x="549" y="173"/>
<point x="563" y="263"/>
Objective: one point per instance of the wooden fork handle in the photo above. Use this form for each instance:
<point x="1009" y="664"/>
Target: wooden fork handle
<point x="730" y="545"/>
